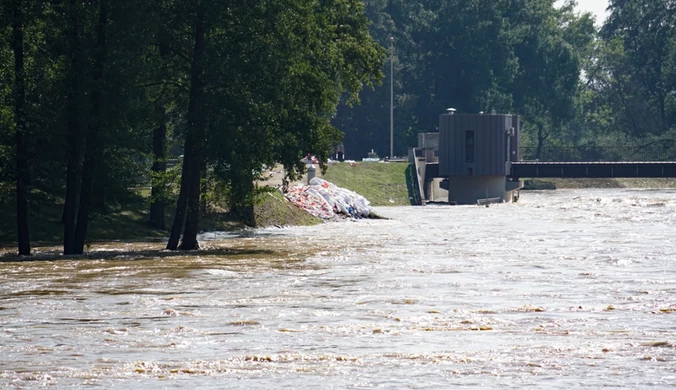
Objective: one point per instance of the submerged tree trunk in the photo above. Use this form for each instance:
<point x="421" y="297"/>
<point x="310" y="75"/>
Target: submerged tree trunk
<point x="94" y="147"/>
<point x="182" y="202"/>
<point x="187" y="207"/>
<point x="189" y="241"/>
<point x="80" y="232"/>
<point x="23" y="234"/>
<point x="74" y="132"/>
<point x="197" y="123"/>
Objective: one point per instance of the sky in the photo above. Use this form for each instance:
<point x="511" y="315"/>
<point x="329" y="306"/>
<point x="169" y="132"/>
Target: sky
<point x="596" y="7"/>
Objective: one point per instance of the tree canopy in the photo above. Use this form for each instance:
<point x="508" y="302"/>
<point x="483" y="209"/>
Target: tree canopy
<point x="239" y="85"/>
<point x="520" y="56"/>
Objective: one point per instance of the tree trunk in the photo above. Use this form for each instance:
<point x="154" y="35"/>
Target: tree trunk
<point x="94" y="147"/>
<point x="20" y="131"/>
<point x="189" y="241"/>
<point x="159" y="166"/>
<point x="182" y="202"/>
<point x="541" y="141"/>
<point x="188" y="198"/>
<point x="80" y="232"/>
<point x="197" y="126"/>
<point x="663" y="113"/>
<point x="74" y="132"/>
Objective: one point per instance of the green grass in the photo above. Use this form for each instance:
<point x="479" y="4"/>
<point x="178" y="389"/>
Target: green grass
<point x="131" y="222"/>
<point x="383" y="184"/>
<point x="128" y="223"/>
<point x="272" y="209"/>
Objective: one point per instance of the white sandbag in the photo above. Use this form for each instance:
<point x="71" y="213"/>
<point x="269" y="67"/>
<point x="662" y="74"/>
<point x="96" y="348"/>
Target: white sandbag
<point x="326" y="200"/>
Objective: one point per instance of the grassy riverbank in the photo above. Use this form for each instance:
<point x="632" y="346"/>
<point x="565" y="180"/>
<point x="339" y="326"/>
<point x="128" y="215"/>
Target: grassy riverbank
<point x="131" y="222"/>
<point x="383" y="184"/>
<point x="128" y="223"/>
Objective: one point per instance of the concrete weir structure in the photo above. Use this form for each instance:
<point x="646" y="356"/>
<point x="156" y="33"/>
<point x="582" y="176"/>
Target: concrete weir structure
<point x="475" y="152"/>
<point x="474" y="159"/>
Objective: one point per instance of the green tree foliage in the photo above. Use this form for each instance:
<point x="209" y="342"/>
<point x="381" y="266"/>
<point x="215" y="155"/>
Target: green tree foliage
<point x="522" y="56"/>
<point x="241" y="85"/>
<point x="647" y="32"/>
<point x="549" y="45"/>
<point x="86" y="118"/>
<point x="263" y="87"/>
<point x="108" y="116"/>
<point x="628" y="100"/>
<point x="29" y="104"/>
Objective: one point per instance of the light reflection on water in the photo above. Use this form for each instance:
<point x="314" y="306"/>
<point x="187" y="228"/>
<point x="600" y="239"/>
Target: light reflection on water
<point x="566" y="288"/>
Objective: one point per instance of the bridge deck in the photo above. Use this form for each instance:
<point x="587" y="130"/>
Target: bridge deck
<point x="593" y="169"/>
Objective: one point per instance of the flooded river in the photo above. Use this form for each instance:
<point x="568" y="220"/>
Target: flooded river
<point x="563" y="289"/>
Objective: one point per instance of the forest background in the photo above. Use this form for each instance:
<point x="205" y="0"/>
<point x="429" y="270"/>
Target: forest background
<point x="97" y="96"/>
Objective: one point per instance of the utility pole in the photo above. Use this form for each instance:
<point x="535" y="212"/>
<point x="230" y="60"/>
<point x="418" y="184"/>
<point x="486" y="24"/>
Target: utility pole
<point x="391" y="97"/>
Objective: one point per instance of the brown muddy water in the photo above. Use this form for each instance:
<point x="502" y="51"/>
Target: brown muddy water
<point x="564" y="289"/>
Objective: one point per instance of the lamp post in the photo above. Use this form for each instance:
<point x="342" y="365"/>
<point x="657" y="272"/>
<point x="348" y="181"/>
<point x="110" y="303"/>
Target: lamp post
<point x="391" y="97"/>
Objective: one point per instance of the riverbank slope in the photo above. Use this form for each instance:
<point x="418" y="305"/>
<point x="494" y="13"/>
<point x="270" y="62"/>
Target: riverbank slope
<point x="383" y="184"/>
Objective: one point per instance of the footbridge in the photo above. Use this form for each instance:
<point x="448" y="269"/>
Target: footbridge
<point x="475" y="158"/>
<point x="647" y="169"/>
<point x="594" y="162"/>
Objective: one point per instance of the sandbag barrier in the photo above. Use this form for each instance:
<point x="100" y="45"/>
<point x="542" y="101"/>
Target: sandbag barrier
<point x="327" y="201"/>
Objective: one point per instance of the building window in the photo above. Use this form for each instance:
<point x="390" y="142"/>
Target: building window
<point x="469" y="146"/>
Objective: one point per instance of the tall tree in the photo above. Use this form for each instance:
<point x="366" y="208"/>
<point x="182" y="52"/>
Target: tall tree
<point x="522" y="56"/>
<point x="21" y="152"/>
<point x="74" y="120"/>
<point x="307" y="53"/>
<point x="447" y="53"/>
<point x="627" y="100"/>
<point x="548" y="80"/>
<point x="647" y="30"/>
<point x="94" y="141"/>
<point x="108" y="113"/>
<point x="187" y="207"/>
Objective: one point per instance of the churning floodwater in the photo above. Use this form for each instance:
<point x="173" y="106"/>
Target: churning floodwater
<point x="563" y="289"/>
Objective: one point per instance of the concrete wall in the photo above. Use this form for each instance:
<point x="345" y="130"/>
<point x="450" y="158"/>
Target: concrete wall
<point x="475" y="154"/>
<point x="464" y="190"/>
<point x="428" y="144"/>
<point x="435" y="190"/>
<point x="487" y="156"/>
